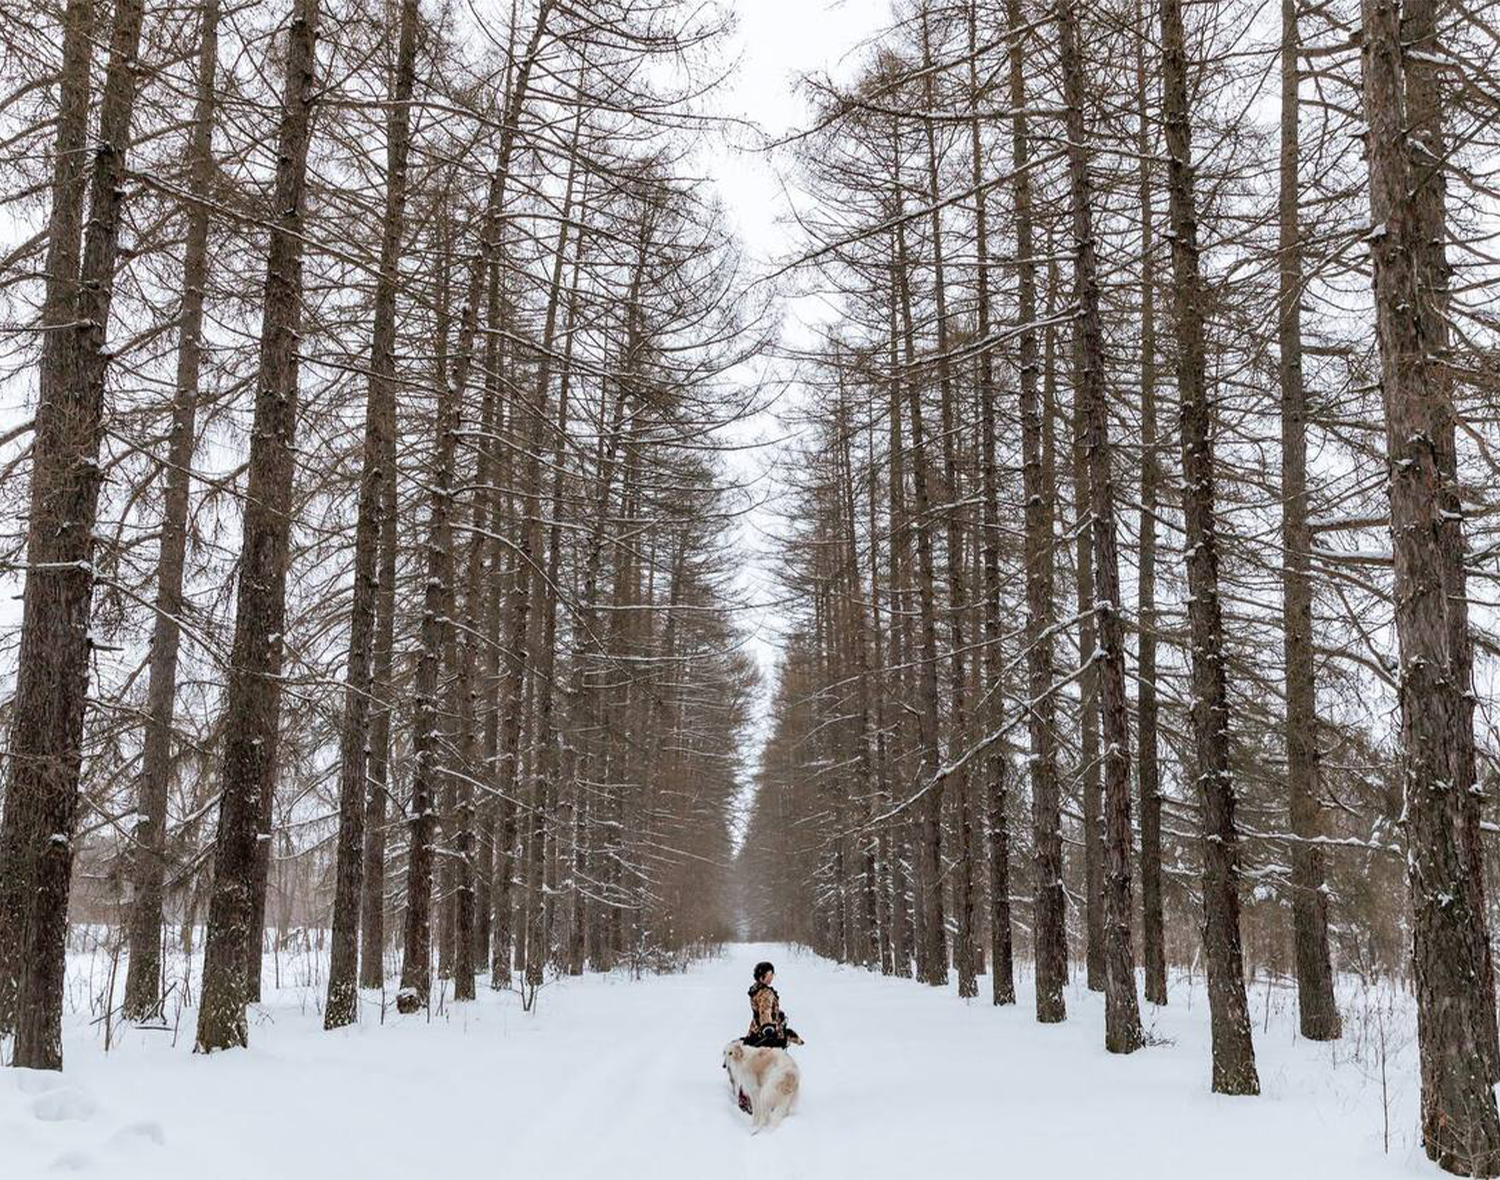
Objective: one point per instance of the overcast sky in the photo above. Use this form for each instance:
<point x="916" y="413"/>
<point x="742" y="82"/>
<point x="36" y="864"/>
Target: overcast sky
<point x="776" y="42"/>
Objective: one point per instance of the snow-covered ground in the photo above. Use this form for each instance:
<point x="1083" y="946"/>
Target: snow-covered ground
<point x="620" y="1078"/>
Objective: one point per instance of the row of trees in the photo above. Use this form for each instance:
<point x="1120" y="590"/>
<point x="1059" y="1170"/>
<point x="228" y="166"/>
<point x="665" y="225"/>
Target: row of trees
<point x="1141" y="531"/>
<point x="372" y="502"/>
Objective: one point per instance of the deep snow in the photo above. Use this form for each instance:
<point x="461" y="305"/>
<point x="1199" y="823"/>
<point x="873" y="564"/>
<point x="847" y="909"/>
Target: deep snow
<point x="620" y="1078"/>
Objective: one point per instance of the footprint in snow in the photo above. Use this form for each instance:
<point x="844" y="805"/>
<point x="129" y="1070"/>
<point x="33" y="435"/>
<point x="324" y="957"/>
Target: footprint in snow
<point x="139" y="1134"/>
<point x="64" y="1105"/>
<point x="72" y="1161"/>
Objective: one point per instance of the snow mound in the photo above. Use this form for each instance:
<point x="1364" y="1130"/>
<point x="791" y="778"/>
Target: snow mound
<point x="37" y="1081"/>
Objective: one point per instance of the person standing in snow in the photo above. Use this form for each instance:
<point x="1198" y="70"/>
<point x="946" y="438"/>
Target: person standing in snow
<point x="768" y="1027"/>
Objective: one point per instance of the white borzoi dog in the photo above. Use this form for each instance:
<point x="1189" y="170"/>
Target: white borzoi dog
<point x="769" y="1078"/>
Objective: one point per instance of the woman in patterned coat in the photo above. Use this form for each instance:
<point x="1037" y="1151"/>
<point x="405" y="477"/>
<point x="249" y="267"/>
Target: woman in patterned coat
<point x="768" y="1027"/>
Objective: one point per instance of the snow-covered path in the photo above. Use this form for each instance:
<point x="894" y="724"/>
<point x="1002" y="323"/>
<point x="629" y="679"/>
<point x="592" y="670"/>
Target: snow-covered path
<point x="620" y="1079"/>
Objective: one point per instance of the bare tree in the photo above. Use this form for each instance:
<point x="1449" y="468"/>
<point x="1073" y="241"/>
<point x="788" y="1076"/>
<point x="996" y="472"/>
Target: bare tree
<point x="1122" y="1017"/>
<point x="1233" y="1052"/>
<point x="250" y="709"/>
<point x="52" y="680"/>
<point x="1319" y="1015"/>
<point x="372" y="532"/>
<point x="64" y="247"/>
<point x="1460" y="1128"/>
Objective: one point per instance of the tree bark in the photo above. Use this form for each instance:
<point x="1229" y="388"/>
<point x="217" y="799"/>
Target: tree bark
<point x="1428" y="151"/>
<point x="1049" y="924"/>
<point x="427" y="740"/>
<point x="379" y="467"/>
<point x="533" y="573"/>
<point x="888" y="913"/>
<point x="1315" y="1003"/>
<point x="1148" y="767"/>
<point x="52" y="673"/>
<point x="250" y="717"/>
<point x="560" y="768"/>
<point x="1002" y="977"/>
<point x="1233" y="1051"/>
<point x="372" y="886"/>
<point x="1091" y="779"/>
<point x="1122" y="1021"/>
<point x="49" y="688"/>
<point x="488" y="936"/>
<point x="932" y="957"/>
<point x="584" y="706"/>
<point x="905" y="921"/>
<point x="1460" y="1127"/>
<point x="957" y="782"/>
<point x="265" y="810"/>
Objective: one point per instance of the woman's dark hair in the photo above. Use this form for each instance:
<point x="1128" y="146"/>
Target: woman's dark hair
<point x="762" y="970"/>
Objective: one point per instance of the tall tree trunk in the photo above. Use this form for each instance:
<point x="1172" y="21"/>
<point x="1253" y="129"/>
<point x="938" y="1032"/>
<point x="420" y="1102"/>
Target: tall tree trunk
<point x="561" y="769"/>
<point x="427" y="739"/>
<point x="957" y="784"/>
<point x="1122" y="1021"/>
<point x="250" y="715"/>
<point x="1429" y="154"/>
<point x="1049" y="924"/>
<point x="583" y="697"/>
<point x="1002" y="978"/>
<point x="932" y="957"/>
<point x="1460" y="1127"/>
<point x="890" y="915"/>
<point x="1091" y="779"/>
<point x="1148" y="768"/>
<point x="533" y="574"/>
<point x="372" y="883"/>
<point x="481" y="667"/>
<point x="55" y="410"/>
<point x="265" y="809"/>
<point x="143" y="972"/>
<point x="907" y="921"/>
<point x="584" y="704"/>
<point x="499" y="819"/>
<point x="1233" y="1052"/>
<point x="52" y="674"/>
<point x="372" y="888"/>
<point x="1315" y="1002"/>
<point x="857" y="653"/>
<point x="475" y="677"/>
<point x="379" y="467"/>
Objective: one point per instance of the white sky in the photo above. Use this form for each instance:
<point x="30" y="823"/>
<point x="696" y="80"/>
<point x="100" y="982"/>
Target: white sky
<point x="776" y="42"/>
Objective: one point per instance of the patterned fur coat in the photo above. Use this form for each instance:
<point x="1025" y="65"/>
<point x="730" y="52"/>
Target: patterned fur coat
<point x="767" y="1020"/>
